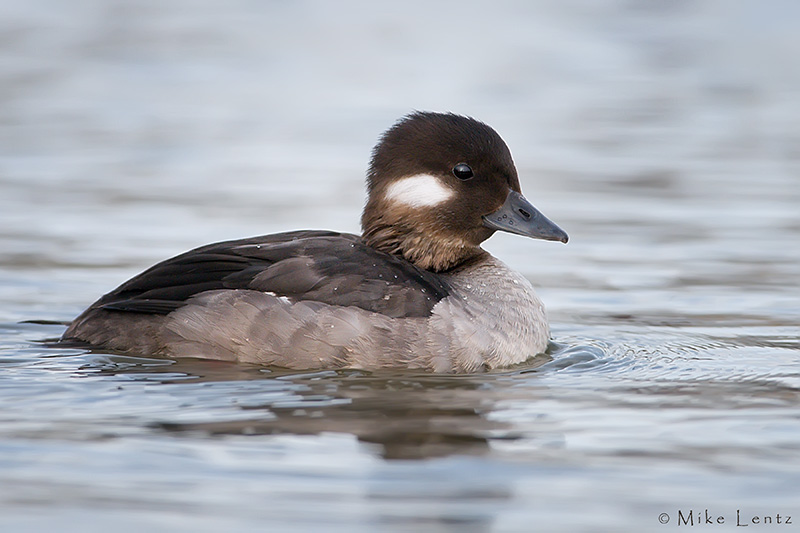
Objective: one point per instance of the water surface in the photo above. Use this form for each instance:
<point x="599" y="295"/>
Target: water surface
<point x="663" y="138"/>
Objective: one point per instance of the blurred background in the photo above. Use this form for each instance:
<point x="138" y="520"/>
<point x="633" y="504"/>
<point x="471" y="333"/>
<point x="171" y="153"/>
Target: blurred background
<point x="662" y="135"/>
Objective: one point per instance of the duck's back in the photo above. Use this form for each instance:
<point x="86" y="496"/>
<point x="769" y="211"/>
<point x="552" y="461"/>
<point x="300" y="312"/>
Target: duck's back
<point x="319" y="268"/>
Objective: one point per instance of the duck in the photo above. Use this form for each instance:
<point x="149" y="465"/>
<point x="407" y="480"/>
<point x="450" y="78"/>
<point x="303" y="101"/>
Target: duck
<point x="414" y="291"/>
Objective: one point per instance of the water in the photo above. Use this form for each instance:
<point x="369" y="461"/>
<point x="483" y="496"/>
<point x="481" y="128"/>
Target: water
<point x="662" y="136"/>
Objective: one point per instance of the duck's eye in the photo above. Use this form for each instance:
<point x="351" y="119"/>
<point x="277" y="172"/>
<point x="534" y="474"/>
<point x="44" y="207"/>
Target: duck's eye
<point x="462" y="171"/>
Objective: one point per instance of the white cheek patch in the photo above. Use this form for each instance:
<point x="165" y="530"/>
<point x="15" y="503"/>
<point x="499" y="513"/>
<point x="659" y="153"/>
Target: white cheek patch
<point x="422" y="190"/>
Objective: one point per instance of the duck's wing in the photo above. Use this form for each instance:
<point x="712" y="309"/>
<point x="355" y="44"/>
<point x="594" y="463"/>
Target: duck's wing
<point x="328" y="267"/>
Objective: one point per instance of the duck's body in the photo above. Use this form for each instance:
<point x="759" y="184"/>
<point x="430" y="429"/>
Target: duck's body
<point x="415" y="291"/>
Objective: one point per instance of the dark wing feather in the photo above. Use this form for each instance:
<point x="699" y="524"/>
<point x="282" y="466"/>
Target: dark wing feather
<point x="144" y="305"/>
<point x="333" y="268"/>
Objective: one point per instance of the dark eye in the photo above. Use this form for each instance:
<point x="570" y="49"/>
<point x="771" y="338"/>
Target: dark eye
<point x="462" y="171"/>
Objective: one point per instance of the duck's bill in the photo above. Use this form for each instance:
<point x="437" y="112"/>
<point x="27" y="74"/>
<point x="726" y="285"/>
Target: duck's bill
<point x="518" y="216"/>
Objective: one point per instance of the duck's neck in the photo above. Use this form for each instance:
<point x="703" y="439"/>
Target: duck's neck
<point x="425" y="247"/>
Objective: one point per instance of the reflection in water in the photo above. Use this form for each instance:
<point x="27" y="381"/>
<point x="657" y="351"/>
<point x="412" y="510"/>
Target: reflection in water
<point x="406" y="416"/>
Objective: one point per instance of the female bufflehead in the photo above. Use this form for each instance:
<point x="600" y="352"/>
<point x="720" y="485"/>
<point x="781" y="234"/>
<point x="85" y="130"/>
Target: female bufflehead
<point x="415" y="291"/>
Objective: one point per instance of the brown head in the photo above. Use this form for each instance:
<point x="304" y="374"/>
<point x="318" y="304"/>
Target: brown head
<point x="441" y="184"/>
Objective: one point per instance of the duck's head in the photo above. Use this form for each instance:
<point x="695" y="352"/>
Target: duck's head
<point x="439" y="185"/>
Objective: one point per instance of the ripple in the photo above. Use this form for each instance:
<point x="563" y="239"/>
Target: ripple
<point x="575" y="358"/>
